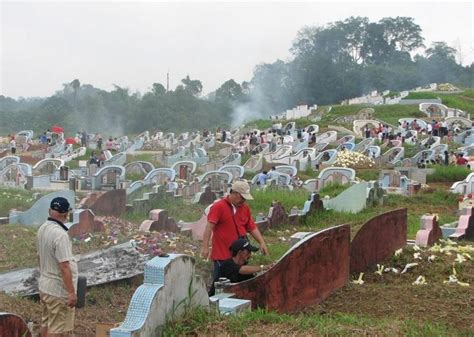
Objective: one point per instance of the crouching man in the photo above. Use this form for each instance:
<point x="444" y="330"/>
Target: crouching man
<point x="236" y="268"/>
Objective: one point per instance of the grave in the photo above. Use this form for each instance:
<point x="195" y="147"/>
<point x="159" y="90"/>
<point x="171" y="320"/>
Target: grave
<point x="378" y="239"/>
<point x="429" y="231"/>
<point x="324" y="257"/>
<point x="465" y="228"/>
<point x="12" y="325"/>
<point x="119" y="262"/>
<point x="159" y="221"/>
<point x="169" y="290"/>
<point x="105" y="203"/>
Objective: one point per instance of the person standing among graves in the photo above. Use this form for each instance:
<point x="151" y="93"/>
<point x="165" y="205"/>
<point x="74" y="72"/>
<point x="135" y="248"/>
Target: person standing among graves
<point x="13" y="145"/>
<point x="58" y="272"/>
<point x="262" y="178"/>
<point x="228" y="220"/>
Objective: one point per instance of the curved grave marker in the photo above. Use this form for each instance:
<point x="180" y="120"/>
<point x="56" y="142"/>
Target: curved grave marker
<point x="12" y="325"/>
<point x="378" y="239"/>
<point x="307" y="274"/>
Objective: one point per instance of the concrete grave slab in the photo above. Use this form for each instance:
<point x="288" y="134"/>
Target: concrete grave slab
<point x="324" y="258"/>
<point x="119" y="262"/>
<point x="378" y="239"/>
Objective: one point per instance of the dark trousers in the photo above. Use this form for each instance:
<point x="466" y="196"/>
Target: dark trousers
<point x="215" y="276"/>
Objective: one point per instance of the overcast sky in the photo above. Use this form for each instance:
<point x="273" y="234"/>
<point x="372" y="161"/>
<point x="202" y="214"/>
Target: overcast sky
<point x="45" y="44"/>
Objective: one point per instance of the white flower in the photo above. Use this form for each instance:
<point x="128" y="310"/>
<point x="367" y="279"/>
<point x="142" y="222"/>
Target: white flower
<point x="409" y="266"/>
<point x="379" y="270"/>
<point x="359" y="281"/>
<point x="398" y="252"/>
<point x="431" y="258"/>
<point x="420" y="280"/>
<point x="460" y="258"/>
<point x="417" y="256"/>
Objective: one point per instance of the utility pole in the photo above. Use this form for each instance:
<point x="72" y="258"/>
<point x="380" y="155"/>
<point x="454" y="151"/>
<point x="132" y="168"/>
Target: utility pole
<point x="168" y="81"/>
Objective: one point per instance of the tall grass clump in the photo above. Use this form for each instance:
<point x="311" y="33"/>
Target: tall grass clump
<point x="448" y="173"/>
<point x="333" y="189"/>
<point x="263" y="199"/>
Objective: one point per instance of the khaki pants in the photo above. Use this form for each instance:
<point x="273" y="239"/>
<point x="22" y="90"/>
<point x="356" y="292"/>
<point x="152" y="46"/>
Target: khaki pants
<point x="56" y="315"/>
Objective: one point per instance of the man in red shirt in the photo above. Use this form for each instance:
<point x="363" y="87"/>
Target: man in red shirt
<point x="228" y="220"/>
<point x="461" y="161"/>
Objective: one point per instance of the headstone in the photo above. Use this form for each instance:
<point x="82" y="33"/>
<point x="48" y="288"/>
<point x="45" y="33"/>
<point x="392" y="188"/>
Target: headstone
<point x="168" y="281"/>
<point x="465" y="228"/>
<point x="430" y="231"/>
<point x="324" y="258"/>
<point x="207" y="197"/>
<point x="12" y="325"/>
<point x="378" y="239"/>
<point x="277" y="215"/>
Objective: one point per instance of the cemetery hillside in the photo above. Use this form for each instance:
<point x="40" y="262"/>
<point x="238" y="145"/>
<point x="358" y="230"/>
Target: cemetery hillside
<point x="355" y="157"/>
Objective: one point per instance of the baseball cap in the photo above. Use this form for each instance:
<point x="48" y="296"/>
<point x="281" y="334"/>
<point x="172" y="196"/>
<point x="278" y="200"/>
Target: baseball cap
<point x="241" y="244"/>
<point x="60" y="205"/>
<point x="243" y="189"/>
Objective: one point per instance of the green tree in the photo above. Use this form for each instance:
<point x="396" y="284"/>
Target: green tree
<point x="192" y="87"/>
<point x="229" y="91"/>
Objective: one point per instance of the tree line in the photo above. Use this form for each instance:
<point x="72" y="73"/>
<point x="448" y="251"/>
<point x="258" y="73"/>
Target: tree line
<point x="330" y="63"/>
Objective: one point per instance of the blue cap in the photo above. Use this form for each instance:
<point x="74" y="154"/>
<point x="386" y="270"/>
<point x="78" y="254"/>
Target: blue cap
<point x="60" y="205"/>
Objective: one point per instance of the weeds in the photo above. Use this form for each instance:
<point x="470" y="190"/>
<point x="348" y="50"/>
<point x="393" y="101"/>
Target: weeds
<point x="448" y="174"/>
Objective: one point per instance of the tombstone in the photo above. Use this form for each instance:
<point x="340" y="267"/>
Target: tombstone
<point x="429" y="232"/>
<point x="84" y="222"/>
<point x="378" y="239"/>
<point x="105" y="203"/>
<point x="168" y="281"/>
<point x="197" y="228"/>
<point x="324" y="258"/>
<point x="12" y="325"/>
<point x="64" y="173"/>
<point x="465" y="228"/>
<point x="159" y="221"/>
<point x="277" y="215"/>
<point x="207" y="197"/>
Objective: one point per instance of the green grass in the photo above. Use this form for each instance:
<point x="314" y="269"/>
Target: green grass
<point x="392" y="113"/>
<point x="15" y="198"/>
<point x="422" y="95"/>
<point x="367" y="174"/>
<point x="263" y="199"/>
<point x="448" y="173"/>
<point x="175" y="207"/>
<point x="455" y="101"/>
<point x="333" y="189"/>
<point x="410" y="150"/>
<point x="260" y="321"/>
<point x="134" y="176"/>
<point x="468" y="93"/>
<point x="17" y="247"/>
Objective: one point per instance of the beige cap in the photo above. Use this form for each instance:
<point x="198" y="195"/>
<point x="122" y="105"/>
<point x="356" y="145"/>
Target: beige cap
<point x="243" y="189"/>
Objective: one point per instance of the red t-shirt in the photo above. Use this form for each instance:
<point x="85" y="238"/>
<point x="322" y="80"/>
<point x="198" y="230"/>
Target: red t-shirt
<point x="225" y="231"/>
<point x="461" y="161"/>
